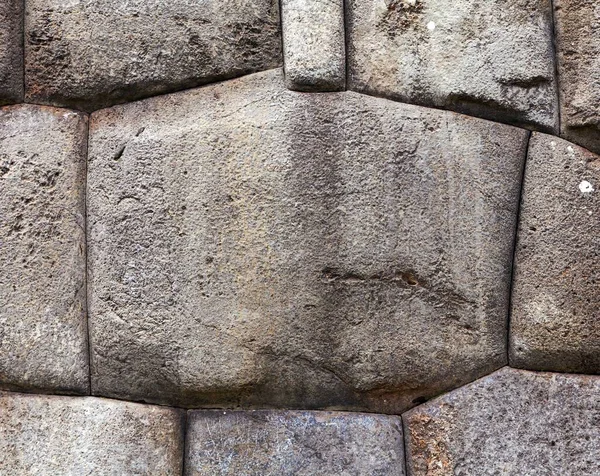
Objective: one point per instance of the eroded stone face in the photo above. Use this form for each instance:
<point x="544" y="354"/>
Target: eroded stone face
<point x="314" y="44"/>
<point x="90" y="54"/>
<point x="265" y="443"/>
<point x="555" y="322"/>
<point x="578" y="48"/>
<point x="50" y="435"/>
<point x="43" y="343"/>
<point x="11" y="51"/>
<point x="491" y="59"/>
<point x="511" y="422"/>
<point x="252" y="245"/>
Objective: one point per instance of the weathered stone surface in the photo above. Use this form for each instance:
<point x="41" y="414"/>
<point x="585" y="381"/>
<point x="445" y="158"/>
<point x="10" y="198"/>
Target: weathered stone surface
<point x="491" y="59"/>
<point x="90" y="54"/>
<point x="512" y="422"/>
<point x="314" y="44"/>
<point x="51" y="435"/>
<point x="578" y="48"/>
<point x="11" y="51"/>
<point x="252" y="245"/>
<point x="555" y="323"/>
<point x="43" y="343"/>
<point x="295" y="443"/>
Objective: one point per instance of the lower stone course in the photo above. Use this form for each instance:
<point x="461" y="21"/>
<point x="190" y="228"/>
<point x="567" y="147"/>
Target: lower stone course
<point x="54" y="435"/>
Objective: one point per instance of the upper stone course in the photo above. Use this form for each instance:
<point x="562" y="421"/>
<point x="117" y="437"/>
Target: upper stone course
<point x="93" y="53"/>
<point x="491" y="59"/>
<point x="11" y="51"/>
<point x="578" y="47"/>
<point x="43" y="336"/>
<point x="250" y="245"/>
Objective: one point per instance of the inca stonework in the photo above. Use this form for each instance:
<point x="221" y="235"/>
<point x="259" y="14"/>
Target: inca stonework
<point x="371" y="248"/>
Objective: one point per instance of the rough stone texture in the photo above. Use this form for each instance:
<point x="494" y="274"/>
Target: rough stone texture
<point x="555" y="323"/>
<point x="512" y="422"/>
<point x="271" y="443"/>
<point x="578" y="48"/>
<point x="43" y="343"/>
<point x="314" y="44"/>
<point x="252" y="245"/>
<point x="491" y="59"/>
<point x="41" y="435"/>
<point x="93" y="53"/>
<point x="11" y="51"/>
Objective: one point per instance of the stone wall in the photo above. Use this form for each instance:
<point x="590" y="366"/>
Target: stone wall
<point x="370" y="246"/>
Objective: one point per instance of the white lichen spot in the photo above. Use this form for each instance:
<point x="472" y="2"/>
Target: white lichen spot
<point x="586" y="187"/>
<point x="431" y="26"/>
<point x="412" y="3"/>
<point x="553" y="145"/>
<point x="571" y="150"/>
<point x="589" y="212"/>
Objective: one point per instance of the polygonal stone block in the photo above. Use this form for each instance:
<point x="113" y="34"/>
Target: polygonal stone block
<point x="93" y="54"/>
<point x="43" y="334"/>
<point x="314" y="44"/>
<point x="491" y="59"/>
<point x="578" y="52"/>
<point x="11" y="51"/>
<point x="555" y="320"/>
<point x="294" y="443"/>
<point x="72" y="436"/>
<point x="250" y="245"/>
<point x="512" y="422"/>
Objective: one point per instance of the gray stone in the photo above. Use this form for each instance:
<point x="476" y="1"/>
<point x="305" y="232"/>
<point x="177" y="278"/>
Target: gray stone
<point x="93" y="53"/>
<point x="11" y="51"/>
<point x="512" y="422"/>
<point x="578" y="48"/>
<point x="253" y="245"/>
<point x="555" y="320"/>
<point x="43" y="343"/>
<point x="491" y="59"/>
<point x="314" y="47"/>
<point x="294" y="443"/>
<point x="51" y="435"/>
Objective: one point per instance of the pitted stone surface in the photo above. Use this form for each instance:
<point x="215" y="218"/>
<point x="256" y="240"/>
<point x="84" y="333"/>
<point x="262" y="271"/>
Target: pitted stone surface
<point x="72" y="436"/>
<point x="90" y="54"/>
<point x="11" y="51"/>
<point x="272" y="443"/>
<point x="314" y="44"/>
<point x="578" y="48"/>
<point x="512" y="422"/>
<point x="252" y="245"/>
<point x="491" y="59"/>
<point x="555" y="323"/>
<point x="43" y="343"/>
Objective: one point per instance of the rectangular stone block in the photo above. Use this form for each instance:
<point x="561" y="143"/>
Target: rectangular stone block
<point x="43" y="333"/>
<point x="94" y="54"/>
<point x="555" y="317"/>
<point x="492" y="59"/>
<point x="72" y="436"/>
<point x="578" y="52"/>
<point x="293" y="443"/>
<point x="11" y="51"/>
<point x="512" y="422"/>
<point x="251" y="245"/>
<point x="314" y="44"/>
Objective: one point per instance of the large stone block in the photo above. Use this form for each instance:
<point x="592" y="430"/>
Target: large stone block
<point x="43" y="336"/>
<point x="71" y="436"/>
<point x="252" y="245"/>
<point x="578" y="48"/>
<point x="314" y="44"/>
<point x="555" y="321"/>
<point x="512" y="422"/>
<point x="90" y="54"/>
<point x="11" y="51"/>
<point x="294" y="443"/>
<point x="491" y="59"/>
